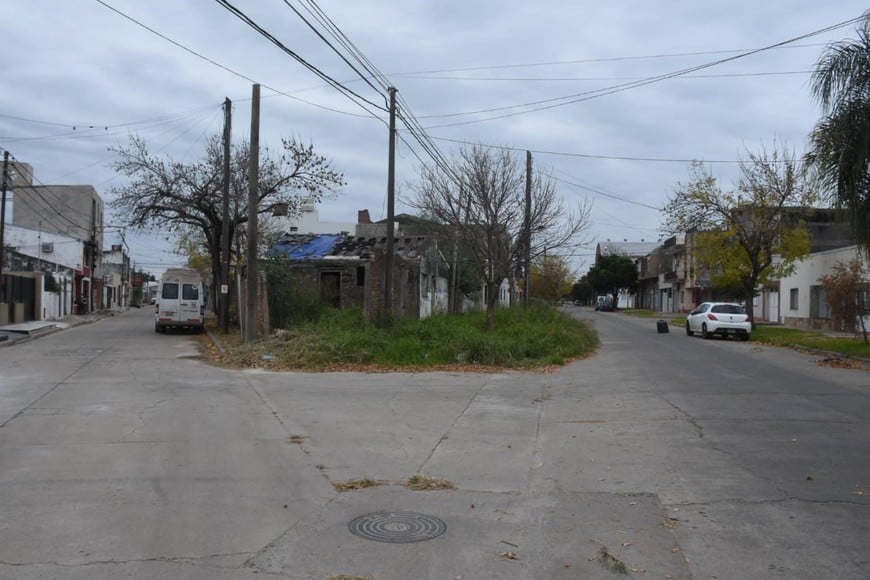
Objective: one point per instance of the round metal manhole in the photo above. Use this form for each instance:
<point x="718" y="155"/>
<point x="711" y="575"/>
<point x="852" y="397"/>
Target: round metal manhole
<point x="397" y="527"/>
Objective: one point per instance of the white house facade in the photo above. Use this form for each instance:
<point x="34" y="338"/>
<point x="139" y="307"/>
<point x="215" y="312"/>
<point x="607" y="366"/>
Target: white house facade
<point x="802" y="298"/>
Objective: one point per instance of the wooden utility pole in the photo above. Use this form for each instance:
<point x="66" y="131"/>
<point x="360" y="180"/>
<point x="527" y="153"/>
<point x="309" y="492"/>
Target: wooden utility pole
<point x="528" y="231"/>
<point x="224" y="295"/>
<point x="3" y="225"/>
<point x="253" y="207"/>
<point x="455" y="308"/>
<point x="391" y="203"/>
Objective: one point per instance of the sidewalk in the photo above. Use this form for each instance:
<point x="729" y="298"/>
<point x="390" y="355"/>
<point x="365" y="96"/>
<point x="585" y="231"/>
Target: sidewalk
<point x="24" y="331"/>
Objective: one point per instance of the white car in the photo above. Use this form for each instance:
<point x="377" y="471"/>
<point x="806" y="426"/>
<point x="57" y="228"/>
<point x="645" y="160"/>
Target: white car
<point x="724" y="318"/>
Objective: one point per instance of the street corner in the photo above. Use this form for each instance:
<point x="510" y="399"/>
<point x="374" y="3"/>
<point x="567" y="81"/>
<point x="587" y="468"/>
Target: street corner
<point x="393" y="532"/>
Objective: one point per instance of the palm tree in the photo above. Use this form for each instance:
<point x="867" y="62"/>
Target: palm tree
<point x="840" y="142"/>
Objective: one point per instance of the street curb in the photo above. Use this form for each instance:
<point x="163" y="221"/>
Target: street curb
<point x="819" y="352"/>
<point x="217" y="343"/>
<point x="70" y="322"/>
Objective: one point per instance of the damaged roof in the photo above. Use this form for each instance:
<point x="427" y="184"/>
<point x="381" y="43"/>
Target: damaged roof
<point x="324" y="246"/>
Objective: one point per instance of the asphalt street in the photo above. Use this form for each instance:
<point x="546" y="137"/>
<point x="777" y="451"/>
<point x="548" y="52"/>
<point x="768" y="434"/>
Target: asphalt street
<point x="123" y="455"/>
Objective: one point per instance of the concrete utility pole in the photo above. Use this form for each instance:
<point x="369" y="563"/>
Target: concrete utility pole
<point x="528" y="233"/>
<point x="391" y="203"/>
<point x="3" y="225"/>
<point x="224" y="295"/>
<point x="253" y="207"/>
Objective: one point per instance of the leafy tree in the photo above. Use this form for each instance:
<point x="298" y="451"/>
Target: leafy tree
<point x="840" y="141"/>
<point x="188" y="246"/>
<point x="187" y="197"/>
<point x="611" y="274"/>
<point x="481" y="195"/>
<point x="551" y="278"/>
<point x="582" y="290"/>
<point x="750" y="235"/>
<point x="847" y="295"/>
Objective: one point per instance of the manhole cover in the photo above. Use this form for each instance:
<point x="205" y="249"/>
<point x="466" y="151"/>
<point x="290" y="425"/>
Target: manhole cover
<point x="397" y="527"/>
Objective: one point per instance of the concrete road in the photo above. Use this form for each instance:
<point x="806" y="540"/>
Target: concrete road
<point x="663" y="456"/>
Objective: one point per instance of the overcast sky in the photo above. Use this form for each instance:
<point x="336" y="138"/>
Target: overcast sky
<point x="79" y="78"/>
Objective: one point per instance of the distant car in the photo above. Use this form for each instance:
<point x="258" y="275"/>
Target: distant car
<point x="722" y="318"/>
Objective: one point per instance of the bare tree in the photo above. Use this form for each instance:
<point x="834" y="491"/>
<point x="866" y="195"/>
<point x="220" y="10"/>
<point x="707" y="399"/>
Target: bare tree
<point x="186" y="197"/>
<point x="481" y="197"/>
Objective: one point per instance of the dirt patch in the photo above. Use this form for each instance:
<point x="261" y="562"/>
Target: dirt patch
<point x="426" y="483"/>
<point x="356" y="484"/>
<point x="841" y="363"/>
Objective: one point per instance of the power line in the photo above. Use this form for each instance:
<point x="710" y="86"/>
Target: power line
<point x="330" y="45"/>
<point x="588" y="155"/>
<point x="224" y="67"/>
<point x="562" y="101"/>
<point x="605" y="193"/>
<point x="349" y="45"/>
<point x="574" y="79"/>
<point x="351" y="95"/>
<point x="403" y="110"/>
<point x="597" y="60"/>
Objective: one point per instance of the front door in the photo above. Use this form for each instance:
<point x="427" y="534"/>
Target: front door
<point x="330" y="294"/>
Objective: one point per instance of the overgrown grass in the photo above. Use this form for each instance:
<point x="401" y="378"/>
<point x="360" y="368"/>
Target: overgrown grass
<point x="523" y="338"/>
<point x="781" y="336"/>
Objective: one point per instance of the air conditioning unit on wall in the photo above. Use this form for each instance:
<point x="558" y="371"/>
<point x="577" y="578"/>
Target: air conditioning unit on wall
<point x="47" y="247"/>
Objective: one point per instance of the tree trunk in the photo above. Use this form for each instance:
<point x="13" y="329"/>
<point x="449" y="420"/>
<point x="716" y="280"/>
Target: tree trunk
<point x="491" y="298"/>
<point x="749" y="297"/>
<point x="215" y="281"/>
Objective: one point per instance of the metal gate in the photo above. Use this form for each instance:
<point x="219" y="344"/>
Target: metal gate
<point x="20" y="294"/>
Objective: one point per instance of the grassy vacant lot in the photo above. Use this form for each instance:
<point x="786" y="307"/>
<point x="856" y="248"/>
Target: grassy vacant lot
<point x="532" y="338"/>
<point x="780" y="336"/>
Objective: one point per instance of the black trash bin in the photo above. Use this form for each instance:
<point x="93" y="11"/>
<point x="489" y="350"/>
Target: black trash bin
<point x="662" y="326"/>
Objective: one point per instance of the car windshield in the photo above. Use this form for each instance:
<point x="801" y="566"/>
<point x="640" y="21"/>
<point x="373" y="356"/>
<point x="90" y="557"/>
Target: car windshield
<point x="728" y="309"/>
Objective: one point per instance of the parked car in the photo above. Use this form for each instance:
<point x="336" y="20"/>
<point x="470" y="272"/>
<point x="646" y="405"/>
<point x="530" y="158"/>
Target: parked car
<point x="723" y="318"/>
<point x="180" y="301"/>
<point x="604" y="303"/>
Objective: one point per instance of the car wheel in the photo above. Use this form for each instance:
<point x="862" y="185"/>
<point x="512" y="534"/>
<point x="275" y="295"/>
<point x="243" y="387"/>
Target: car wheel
<point x="689" y="330"/>
<point x="704" y="334"/>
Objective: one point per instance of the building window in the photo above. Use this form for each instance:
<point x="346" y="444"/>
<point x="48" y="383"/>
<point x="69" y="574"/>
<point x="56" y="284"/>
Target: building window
<point x="819" y="307"/>
<point x="793" y="299"/>
<point x="361" y="276"/>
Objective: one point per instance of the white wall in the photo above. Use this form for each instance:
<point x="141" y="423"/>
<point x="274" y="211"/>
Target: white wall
<point x="66" y="250"/>
<point x="806" y="275"/>
<point x="58" y="304"/>
<point x="433" y="300"/>
<point x="308" y="222"/>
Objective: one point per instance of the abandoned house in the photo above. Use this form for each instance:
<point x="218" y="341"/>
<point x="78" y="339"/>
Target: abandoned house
<point x="346" y="272"/>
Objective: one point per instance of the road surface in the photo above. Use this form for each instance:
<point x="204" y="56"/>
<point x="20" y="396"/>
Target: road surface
<point x="122" y="455"/>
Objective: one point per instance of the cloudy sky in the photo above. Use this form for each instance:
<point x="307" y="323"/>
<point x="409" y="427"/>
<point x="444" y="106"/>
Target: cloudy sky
<point x="564" y="79"/>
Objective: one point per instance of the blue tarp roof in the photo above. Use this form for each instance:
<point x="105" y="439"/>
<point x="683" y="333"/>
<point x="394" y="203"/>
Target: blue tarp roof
<point x="313" y="248"/>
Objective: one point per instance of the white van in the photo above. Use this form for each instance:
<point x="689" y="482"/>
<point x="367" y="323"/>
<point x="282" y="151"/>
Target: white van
<point x="179" y="301"/>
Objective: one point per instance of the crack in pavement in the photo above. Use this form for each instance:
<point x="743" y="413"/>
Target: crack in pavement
<point x="100" y="352"/>
<point x="691" y="419"/>
<point x="786" y="499"/>
<point x="169" y="559"/>
<point x="456" y="419"/>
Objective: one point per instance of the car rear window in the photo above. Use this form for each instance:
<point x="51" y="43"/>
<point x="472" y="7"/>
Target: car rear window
<point x="189" y="292"/>
<point x="728" y="309"/>
<point x="170" y="291"/>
